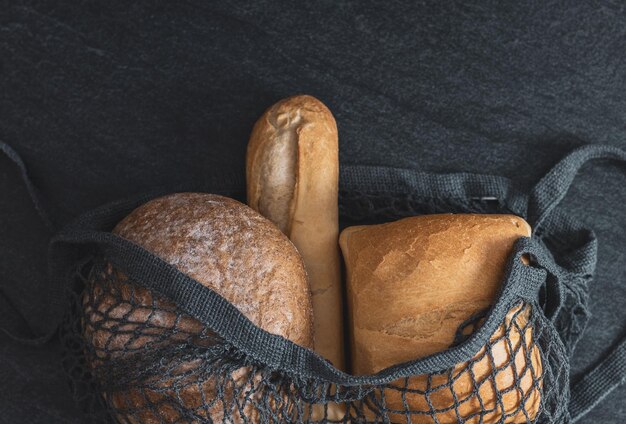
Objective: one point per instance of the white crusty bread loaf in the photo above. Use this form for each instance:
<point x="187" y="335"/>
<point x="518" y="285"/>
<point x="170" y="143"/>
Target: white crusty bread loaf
<point x="412" y="283"/>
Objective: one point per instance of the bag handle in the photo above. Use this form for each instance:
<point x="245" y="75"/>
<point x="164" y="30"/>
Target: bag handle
<point x="610" y="372"/>
<point x="33" y="192"/>
<point x="13" y="322"/>
<point x="596" y="384"/>
<point x="553" y="187"/>
<point x="16" y="326"/>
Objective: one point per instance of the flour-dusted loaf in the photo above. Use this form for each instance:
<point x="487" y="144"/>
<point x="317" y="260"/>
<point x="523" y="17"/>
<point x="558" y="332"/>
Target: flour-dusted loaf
<point x="412" y="283"/>
<point x="225" y="246"/>
<point x="228" y="247"/>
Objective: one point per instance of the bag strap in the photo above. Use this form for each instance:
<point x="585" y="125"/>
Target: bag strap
<point x="610" y="372"/>
<point x="33" y="192"/>
<point x="12" y="321"/>
<point x="553" y="187"/>
<point x="596" y="384"/>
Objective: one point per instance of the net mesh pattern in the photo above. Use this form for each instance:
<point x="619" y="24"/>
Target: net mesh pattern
<point x="135" y="357"/>
<point x="572" y="318"/>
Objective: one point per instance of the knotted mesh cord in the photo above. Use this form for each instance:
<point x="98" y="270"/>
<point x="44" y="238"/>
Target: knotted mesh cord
<point x="134" y="357"/>
<point x="571" y="256"/>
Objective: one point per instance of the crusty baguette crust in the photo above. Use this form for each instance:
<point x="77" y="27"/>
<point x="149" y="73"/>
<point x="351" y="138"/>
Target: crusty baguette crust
<point x="292" y="178"/>
<point x="412" y="282"/>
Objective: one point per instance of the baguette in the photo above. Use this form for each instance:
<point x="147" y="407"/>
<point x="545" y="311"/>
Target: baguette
<point x="292" y="179"/>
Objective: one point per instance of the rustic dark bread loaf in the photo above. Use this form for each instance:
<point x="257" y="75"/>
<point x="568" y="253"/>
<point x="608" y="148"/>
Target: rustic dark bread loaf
<point x="225" y="246"/>
<point x="412" y="283"/>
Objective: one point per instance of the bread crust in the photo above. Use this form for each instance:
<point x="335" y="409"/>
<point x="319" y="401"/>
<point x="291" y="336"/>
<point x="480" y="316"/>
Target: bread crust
<point x="413" y="282"/>
<point x="292" y="178"/>
<point x="224" y="245"/>
<point x="233" y="250"/>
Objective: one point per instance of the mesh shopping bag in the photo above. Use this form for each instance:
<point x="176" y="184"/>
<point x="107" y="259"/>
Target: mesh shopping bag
<point x="145" y="343"/>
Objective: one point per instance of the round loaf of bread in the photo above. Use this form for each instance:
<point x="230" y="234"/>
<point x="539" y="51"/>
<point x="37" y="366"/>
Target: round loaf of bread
<point x="224" y="245"/>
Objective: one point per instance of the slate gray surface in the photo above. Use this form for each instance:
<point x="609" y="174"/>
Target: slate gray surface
<point x="108" y="99"/>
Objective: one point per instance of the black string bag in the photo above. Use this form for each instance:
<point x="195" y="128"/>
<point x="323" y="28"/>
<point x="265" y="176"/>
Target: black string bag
<point x="144" y="343"/>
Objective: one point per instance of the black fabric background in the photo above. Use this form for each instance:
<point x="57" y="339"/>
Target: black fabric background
<point x="109" y="99"/>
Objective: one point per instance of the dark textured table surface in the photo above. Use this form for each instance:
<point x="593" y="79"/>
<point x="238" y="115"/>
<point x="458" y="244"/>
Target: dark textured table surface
<point x="109" y="99"/>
